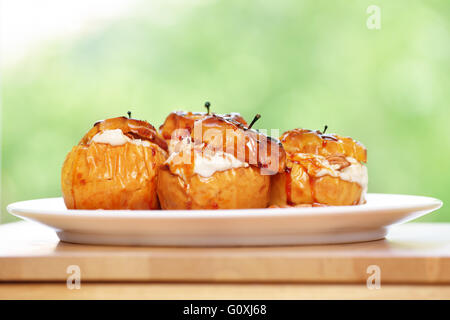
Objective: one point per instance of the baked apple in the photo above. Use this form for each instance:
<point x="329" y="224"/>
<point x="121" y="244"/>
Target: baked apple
<point x="216" y="162"/>
<point x="114" y="166"/>
<point x="320" y="169"/>
<point x="180" y="120"/>
<point x="180" y="124"/>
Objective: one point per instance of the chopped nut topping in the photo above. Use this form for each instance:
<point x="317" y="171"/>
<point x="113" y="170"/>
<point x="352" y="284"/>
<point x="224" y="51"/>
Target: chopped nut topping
<point x="338" y="159"/>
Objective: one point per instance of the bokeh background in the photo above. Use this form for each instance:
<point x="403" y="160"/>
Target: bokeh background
<point x="66" y="64"/>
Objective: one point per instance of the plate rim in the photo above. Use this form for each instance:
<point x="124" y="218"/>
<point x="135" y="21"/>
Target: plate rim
<point x="429" y="203"/>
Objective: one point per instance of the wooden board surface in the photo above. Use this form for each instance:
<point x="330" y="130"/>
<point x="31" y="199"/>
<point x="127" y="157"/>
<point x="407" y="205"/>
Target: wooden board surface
<point x="183" y="291"/>
<point x="413" y="253"/>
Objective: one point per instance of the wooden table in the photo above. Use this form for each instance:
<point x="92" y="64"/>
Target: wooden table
<point x="414" y="263"/>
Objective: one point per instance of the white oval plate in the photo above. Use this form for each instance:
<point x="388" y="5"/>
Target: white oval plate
<point x="280" y="226"/>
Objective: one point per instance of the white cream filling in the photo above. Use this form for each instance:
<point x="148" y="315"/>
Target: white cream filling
<point x="206" y="163"/>
<point x="355" y="172"/>
<point x="117" y="138"/>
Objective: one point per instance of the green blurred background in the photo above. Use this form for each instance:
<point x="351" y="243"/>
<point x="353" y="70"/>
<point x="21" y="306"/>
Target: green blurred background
<point x="298" y="63"/>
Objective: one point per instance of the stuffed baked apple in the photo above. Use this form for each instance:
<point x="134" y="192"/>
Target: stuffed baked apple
<point x="114" y="166"/>
<point x="321" y="169"/>
<point x="216" y="162"/>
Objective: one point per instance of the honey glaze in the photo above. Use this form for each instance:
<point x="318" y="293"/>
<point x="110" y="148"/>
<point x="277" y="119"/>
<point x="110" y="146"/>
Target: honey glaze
<point x="315" y="167"/>
<point x="315" y="142"/>
<point x="186" y="187"/>
<point x="324" y="168"/>
<point x="228" y="133"/>
<point x="132" y="128"/>
<point x="288" y="186"/>
<point x="186" y="120"/>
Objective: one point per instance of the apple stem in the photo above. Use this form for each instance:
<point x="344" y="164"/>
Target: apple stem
<point x="207" y="105"/>
<point x="254" y="120"/>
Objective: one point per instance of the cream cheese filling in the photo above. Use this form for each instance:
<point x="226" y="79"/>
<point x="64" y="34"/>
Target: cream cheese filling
<point x="206" y="162"/>
<point x="355" y="172"/>
<point x="116" y="137"/>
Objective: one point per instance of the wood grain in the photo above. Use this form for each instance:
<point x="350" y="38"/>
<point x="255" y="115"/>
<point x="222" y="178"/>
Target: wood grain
<point x="182" y="291"/>
<point x="413" y="254"/>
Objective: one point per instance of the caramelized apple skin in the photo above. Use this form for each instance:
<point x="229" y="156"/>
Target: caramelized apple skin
<point x="130" y="127"/>
<point x="100" y="176"/>
<point x="291" y="187"/>
<point x="185" y="120"/>
<point x="296" y="186"/>
<point x="308" y="141"/>
<point x="300" y="183"/>
<point x="227" y="133"/>
<point x="238" y="188"/>
<point x="336" y="192"/>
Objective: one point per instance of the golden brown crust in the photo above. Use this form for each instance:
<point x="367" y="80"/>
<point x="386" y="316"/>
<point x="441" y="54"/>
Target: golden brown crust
<point x="230" y="189"/>
<point x="309" y="141"/>
<point x="137" y="129"/>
